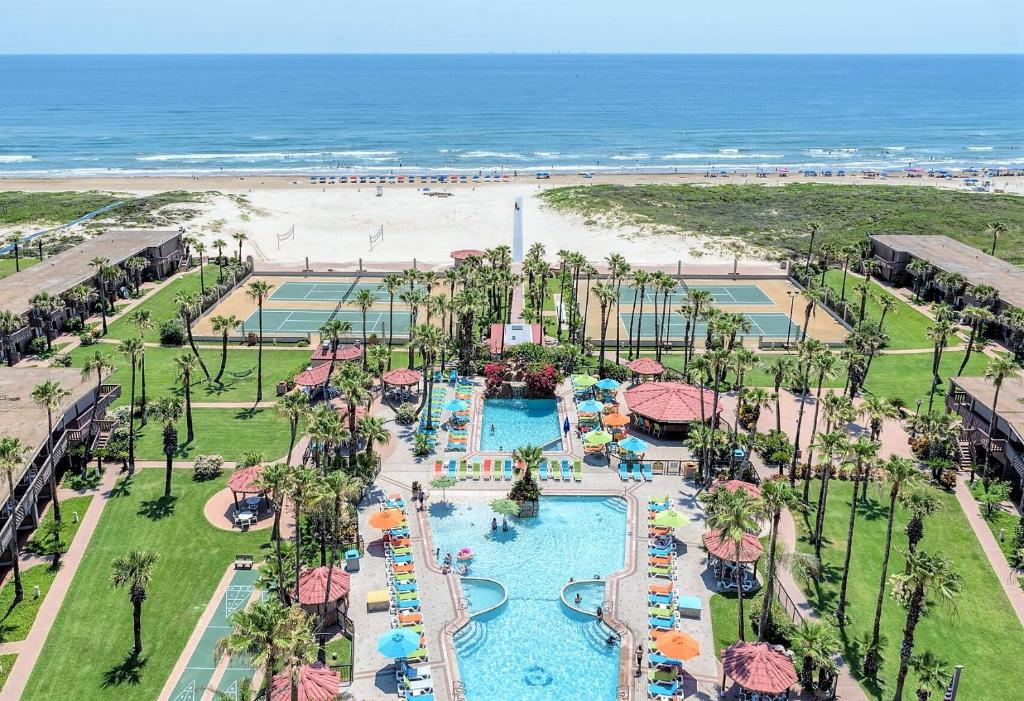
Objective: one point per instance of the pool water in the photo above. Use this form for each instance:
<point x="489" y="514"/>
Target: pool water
<point x="591" y="595"/>
<point x="520" y="422"/>
<point x="534" y="648"/>
<point x="481" y="594"/>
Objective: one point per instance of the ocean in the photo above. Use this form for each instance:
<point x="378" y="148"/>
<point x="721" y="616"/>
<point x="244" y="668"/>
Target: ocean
<point x="203" y="114"/>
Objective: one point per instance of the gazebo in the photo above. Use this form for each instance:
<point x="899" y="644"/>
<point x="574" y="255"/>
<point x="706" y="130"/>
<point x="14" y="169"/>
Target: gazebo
<point x="645" y="367"/>
<point x="315" y="682"/>
<point x="462" y="254"/>
<point x="314" y="597"/>
<point x="662" y="408"/>
<point x="314" y="377"/>
<point x="723" y="558"/>
<point x="245" y="482"/>
<point x="322" y="355"/>
<point x="759" y="668"/>
<point x="400" y="377"/>
<point x="735" y="485"/>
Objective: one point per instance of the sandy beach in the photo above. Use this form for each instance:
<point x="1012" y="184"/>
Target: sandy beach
<point x="332" y="223"/>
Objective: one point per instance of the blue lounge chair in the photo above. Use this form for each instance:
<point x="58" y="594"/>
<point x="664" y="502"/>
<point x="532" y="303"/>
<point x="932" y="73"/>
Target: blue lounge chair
<point x="663" y="689"/>
<point x="452" y="467"/>
<point x="543" y="469"/>
<point x="662" y="623"/>
<point x="566" y="470"/>
<point x="507" y="469"/>
<point x="402" y="559"/>
<point x="409" y="604"/>
<point x="659" y="599"/>
<point x="405" y="586"/>
<point x="656" y="659"/>
<point x="661" y="552"/>
<point x="623" y="472"/>
<point x="648" y="472"/>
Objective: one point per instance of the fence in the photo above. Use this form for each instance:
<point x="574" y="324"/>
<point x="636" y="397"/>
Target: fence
<point x="787" y="603"/>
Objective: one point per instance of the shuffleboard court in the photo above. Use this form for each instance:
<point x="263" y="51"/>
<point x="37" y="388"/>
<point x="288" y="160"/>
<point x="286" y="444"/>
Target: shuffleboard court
<point x="310" y="320"/>
<point x="774" y="325"/>
<point x="720" y="294"/>
<point x="198" y="673"/>
<point x="295" y="291"/>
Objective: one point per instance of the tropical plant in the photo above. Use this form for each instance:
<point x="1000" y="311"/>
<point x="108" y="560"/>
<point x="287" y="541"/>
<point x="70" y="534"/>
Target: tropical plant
<point x="939" y="333"/>
<point x="255" y="634"/>
<point x="292" y="407"/>
<point x="12" y="459"/>
<point x="364" y="300"/>
<point x="224" y="325"/>
<point x="776" y="495"/>
<point x="443" y="483"/>
<point x="921" y="500"/>
<point x="131" y="349"/>
<point x="168" y="411"/>
<point x="735" y="515"/>
<point x="240" y="237"/>
<point x="134" y="571"/>
<point x="931" y="674"/>
<point x="186" y="364"/>
<point x="861" y="454"/>
<point x="49" y="394"/>
<point x="353" y="383"/>
<point x="817" y="645"/>
<point x="258" y="291"/>
<point x="188" y="306"/>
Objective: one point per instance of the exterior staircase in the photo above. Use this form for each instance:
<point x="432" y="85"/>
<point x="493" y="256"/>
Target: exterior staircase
<point x="965" y="454"/>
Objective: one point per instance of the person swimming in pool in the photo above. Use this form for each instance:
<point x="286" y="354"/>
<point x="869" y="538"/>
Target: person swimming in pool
<point x="492" y="429"/>
<point x="494" y="524"/>
<point x="578" y="599"/>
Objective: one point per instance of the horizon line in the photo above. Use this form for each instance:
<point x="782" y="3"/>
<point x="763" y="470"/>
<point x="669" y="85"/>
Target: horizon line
<point x="554" y="52"/>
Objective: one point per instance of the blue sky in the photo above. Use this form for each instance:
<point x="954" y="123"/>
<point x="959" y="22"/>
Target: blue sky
<point x="476" y="26"/>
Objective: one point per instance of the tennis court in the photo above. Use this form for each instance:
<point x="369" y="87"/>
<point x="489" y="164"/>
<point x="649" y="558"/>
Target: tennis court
<point x="310" y="320"/>
<point x="772" y="325"/>
<point x="720" y="294"/>
<point x="294" y="291"/>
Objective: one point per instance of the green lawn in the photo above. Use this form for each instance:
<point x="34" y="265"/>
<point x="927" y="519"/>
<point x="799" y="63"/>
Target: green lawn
<point x="161" y="304"/>
<point x="16" y="621"/>
<point x="6" y="662"/>
<point x="161" y="371"/>
<point x="977" y="637"/>
<point x="7" y="265"/>
<point x="92" y="634"/>
<point x="227" y="432"/>
<point x="75" y="504"/>
<point x="1001" y="520"/>
<point x="339" y="652"/>
<point x="906" y="327"/>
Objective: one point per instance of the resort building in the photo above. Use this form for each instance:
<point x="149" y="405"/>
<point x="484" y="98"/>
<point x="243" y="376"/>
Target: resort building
<point x="60" y="274"/>
<point x="508" y="335"/>
<point x="80" y="419"/>
<point x="971" y="398"/>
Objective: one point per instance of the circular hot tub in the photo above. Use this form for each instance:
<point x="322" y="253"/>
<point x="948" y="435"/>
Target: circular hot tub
<point x="483" y="595"/>
<point x="591" y="593"/>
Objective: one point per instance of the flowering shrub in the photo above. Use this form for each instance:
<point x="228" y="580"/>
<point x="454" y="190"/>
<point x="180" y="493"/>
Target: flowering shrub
<point x="541" y="381"/>
<point x="494" y="376"/>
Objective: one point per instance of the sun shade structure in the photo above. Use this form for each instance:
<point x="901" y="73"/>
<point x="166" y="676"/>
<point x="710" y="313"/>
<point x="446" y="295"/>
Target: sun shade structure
<point x="615" y="419"/>
<point x="757" y="667"/>
<point x="313" y="585"/>
<point x="323" y="355"/>
<point x="676" y="644"/>
<point x="314" y="377"/>
<point x="646" y="366"/>
<point x="667" y="407"/>
<point x="607" y="384"/>
<point x="464" y="253"/>
<point x="315" y="681"/>
<point x="632" y="444"/>
<point x="387" y="519"/>
<point x="590" y="406"/>
<point x="598" y="438"/>
<point x="401" y="377"/>
<point x="725" y="549"/>
<point x="246" y="480"/>
<point x="736" y="485"/>
<point x="670" y="518"/>
<point x="583" y="381"/>
<point x="398" y="642"/>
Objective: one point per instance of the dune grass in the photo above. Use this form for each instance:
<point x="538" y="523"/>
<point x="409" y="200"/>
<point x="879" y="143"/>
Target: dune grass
<point x="88" y="647"/>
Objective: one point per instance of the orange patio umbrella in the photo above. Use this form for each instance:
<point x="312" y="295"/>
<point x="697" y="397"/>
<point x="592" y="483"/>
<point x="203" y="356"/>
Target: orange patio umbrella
<point x="616" y="419"/>
<point x="387" y="519"/>
<point x="676" y="644"/>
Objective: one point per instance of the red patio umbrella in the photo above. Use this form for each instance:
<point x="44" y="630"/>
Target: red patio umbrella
<point x="757" y="667"/>
<point x="646" y="366"/>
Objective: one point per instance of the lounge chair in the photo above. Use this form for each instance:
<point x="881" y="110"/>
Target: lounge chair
<point x="648" y="474"/>
<point x="462" y="470"/>
<point x="476" y="471"/>
<point x="437" y="468"/>
<point x="660" y="571"/>
<point x="659" y="599"/>
<point x="659" y="690"/>
<point x="487" y="470"/>
<point x="409" y="604"/>
<point x="451" y="468"/>
<point x="566" y="470"/>
<point x="556" y="471"/>
<point x="577" y="471"/>
<point x="662" y="623"/>
<point x="405" y="587"/>
<point x="623" y="472"/>
<point x="660" y="660"/>
<point x="507" y="470"/>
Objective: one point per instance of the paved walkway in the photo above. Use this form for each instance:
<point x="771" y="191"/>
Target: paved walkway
<point x="14" y="688"/>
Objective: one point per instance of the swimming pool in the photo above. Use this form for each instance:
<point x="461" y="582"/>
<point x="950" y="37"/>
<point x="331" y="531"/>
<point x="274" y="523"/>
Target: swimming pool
<point x="520" y="422"/>
<point x="534" y="648"/>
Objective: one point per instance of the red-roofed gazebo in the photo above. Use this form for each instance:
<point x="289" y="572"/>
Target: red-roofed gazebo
<point x="758" y="667"/>
<point x="313" y="592"/>
<point x="663" y="407"/>
<point x="245" y="482"/>
<point x="645" y="367"/>
<point x="463" y="253"/>
<point x="725" y="549"/>
<point x="314" y="377"/>
<point x="735" y="485"/>
<point x="323" y="355"/>
<point x="401" y="377"/>
<point x="315" y="682"/>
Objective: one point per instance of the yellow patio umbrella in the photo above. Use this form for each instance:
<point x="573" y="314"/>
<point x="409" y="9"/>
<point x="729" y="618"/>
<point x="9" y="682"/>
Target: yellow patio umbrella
<point x="584" y="381"/>
<point x="669" y="518"/>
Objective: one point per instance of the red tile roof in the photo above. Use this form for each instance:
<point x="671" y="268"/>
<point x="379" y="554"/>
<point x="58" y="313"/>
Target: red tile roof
<point x="316" y="683"/>
<point x="464" y="253"/>
<point x="750" y="548"/>
<point x="646" y="366"/>
<point x="757" y="667"/>
<point x="313" y="377"/>
<point x="401" y="376"/>
<point x="344" y="353"/>
<point x="668" y="402"/>
<point x="313" y="585"/>
<point x="244" y="481"/>
<point x="734" y="485"/>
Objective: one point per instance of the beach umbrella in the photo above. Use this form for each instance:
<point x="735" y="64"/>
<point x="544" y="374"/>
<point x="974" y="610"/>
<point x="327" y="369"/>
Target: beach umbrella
<point x="455" y="405"/>
<point x="584" y="381"/>
<point x="387" y="519"/>
<point x="590" y="406"/>
<point x="565" y="425"/>
<point x="615" y="419"/>
<point x="676" y="644"/>
<point x="607" y="384"/>
<point x="398" y="642"/>
<point x="632" y="444"/>
<point x="669" y="518"/>
<point x="598" y="438"/>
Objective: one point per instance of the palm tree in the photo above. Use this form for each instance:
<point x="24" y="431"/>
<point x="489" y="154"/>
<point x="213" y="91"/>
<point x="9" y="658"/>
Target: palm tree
<point x="813" y="295"/>
<point x="364" y="301"/>
<point x="200" y="250"/>
<point x="224" y="325"/>
<point x="379" y="359"/>
<point x="919" y="271"/>
<point x="352" y="383"/>
<point x="999" y="369"/>
<point x="755" y="399"/>
<point x="188" y="306"/>
<point x="899" y="473"/>
<point x="640" y="281"/>
<point x="43" y="306"/>
<point x="332" y="331"/>
<point x="187" y="364"/>
<point x="393" y="283"/>
<point x="830" y="444"/>
<point x="813" y="230"/>
<point x="292" y="407"/>
<point x="134" y="267"/>
<point x="168" y="411"/>
<point x="143" y="321"/>
<point x="274" y="480"/>
<point x="373" y="430"/>
<point x="875" y="409"/>
<point x="49" y="394"/>
<point x="921" y="501"/>
<point x="219" y="244"/>
<point x="735" y="515"/>
<point x="823" y="365"/>
<point x="816" y="644"/>
<point x="258" y="291"/>
<point x="9" y="324"/>
<point x="931" y="674"/>
<point x="298" y="646"/>
<point x="995" y="230"/>
<point x="305" y="489"/>
<point x="618" y="268"/>
<point x="807" y="351"/>
<point x="780" y="368"/>
<point x="256" y="633"/>
<point x="100" y="265"/>
<point x="131" y="349"/>
<point x="776" y="495"/>
<point x="14" y="240"/>
<point x="240" y="237"/>
<point x="939" y="332"/>
<point x="862" y="453"/>
<point x="606" y="298"/>
<point x="135" y="572"/>
<point x="927" y="574"/>
<point x="12" y="458"/>
<point x="100" y="364"/>
<point x="976" y="318"/>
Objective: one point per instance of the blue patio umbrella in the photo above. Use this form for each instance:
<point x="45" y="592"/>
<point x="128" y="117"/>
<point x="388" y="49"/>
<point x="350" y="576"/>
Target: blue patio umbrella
<point x="398" y="642"/>
<point x="607" y="384"/>
<point x="590" y="406"/>
<point x="632" y="444"/>
<point x="455" y="405"/>
<point x="565" y="425"/>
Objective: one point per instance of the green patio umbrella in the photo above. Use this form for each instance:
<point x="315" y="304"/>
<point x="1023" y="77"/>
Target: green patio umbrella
<point x="670" y="518"/>
<point x="598" y="438"/>
<point x="584" y="381"/>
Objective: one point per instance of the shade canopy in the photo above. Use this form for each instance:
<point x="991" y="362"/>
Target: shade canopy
<point x="598" y="438"/>
<point x="401" y="377"/>
<point x="342" y="409"/>
<point x="725" y="548"/>
<point x="387" y="519"/>
<point x="584" y="381"/>
<point x="670" y="518"/>
<point x="455" y="405"/>
<point x="316" y="683"/>
<point x="607" y="384"/>
<point x="398" y="642"/>
<point x="676" y="644"/>
<point x="757" y="667"/>
<point x="343" y="353"/>
<point x="669" y="402"/>
<point x="314" y="377"/>
<point x="615" y="419"/>
<point x="313" y="585"/>
<point x="736" y="485"/>
<point x="632" y="444"/>
<point x="646" y="366"/>
<point x="464" y="253"/>
<point x="590" y="406"/>
<point x="246" y="480"/>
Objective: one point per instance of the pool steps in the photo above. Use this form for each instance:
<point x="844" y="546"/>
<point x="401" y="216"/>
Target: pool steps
<point x="470" y="638"/>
